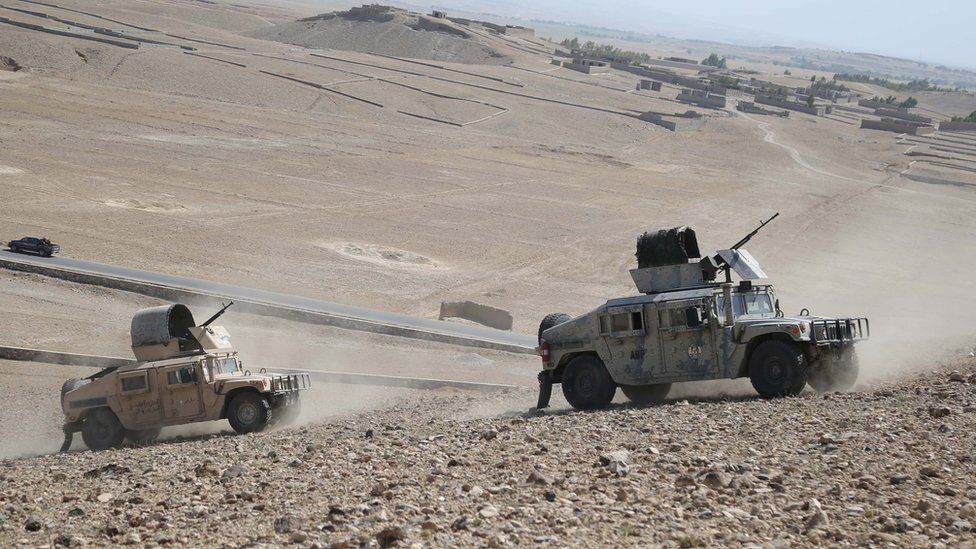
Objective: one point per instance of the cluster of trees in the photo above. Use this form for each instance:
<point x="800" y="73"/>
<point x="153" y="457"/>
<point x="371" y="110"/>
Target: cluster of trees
<point x="604" y="50"/>
<point x="825" y="84"/>
<point x="893" y="101"/>
<point x="713" y="60"/>
<point x="970" y="118"/>
<point x="917" y="84"/>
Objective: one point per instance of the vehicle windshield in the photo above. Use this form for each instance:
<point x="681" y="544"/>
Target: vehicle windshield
<point x="226" y="366"/>
<point x="754" y="303"/>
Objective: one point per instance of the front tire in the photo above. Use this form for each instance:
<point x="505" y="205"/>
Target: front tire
<point x="102" y="430"/>
<point x="587" y="385"/>
<point x="249" y="413"/>
<point x="835" y="374"/>
<point x="646" y="394"/>
<point x="777" y="368"/>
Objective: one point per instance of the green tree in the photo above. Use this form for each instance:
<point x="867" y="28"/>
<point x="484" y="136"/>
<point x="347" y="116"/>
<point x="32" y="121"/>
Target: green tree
<point x="572" y="44"/>
<point x="813" y="79"/>
<point x="713" y="60"/>
<point x="908" y="103"/>
<point x="810" y="100"/>
<point x="970" y="118"/>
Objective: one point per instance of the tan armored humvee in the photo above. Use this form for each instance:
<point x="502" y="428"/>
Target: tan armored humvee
<point x="184" y="374"/>
<point x="686" y="326"/>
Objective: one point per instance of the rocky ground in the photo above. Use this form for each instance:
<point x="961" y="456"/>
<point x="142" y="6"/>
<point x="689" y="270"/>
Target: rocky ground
<point x="888" y="465"/>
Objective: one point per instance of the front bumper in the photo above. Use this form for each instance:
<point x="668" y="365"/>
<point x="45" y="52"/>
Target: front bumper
<point x="838" y="332"/>
<point x="290" y="383"/>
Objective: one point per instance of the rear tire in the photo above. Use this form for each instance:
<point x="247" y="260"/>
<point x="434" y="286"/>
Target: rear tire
<point x="777" y="368"/>
<point x="553" y="319"/>
<point x="249" y="413"/>
<point x="586" y="383"/>
<point x="835" y="375"/>
<point x="143" y="436"/>
<point x="102" y="430"/>
<point x="646" y="394"/>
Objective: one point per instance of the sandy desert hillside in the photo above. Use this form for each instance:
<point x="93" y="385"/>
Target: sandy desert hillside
<point x="397" y="160"/>
<point x="396" y="32"/>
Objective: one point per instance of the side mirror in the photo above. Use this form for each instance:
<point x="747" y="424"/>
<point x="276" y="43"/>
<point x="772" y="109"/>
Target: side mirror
<point x="693" y="317"/>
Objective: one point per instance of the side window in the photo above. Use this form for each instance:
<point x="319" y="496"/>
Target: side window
<point x="625" y="321"/>
<point x="683" y="316"/>
<point x="182" y="376"/>
<point x="620" y="322"/>
<point x="134" y="384"/>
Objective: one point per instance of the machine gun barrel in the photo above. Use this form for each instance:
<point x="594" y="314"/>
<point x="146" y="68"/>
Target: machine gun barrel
<point x="217" y="314"/>
<point x="749" y="236"/>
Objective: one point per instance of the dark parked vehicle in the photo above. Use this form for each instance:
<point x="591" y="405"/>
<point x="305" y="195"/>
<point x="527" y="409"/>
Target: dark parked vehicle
<point x="34" y="244"/>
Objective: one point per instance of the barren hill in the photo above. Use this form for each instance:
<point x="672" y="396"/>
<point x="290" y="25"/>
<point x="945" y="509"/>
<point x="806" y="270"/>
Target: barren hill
<point x="389" y="31"/>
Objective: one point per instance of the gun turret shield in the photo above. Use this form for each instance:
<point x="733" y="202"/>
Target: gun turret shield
<point x="157" y="325"/>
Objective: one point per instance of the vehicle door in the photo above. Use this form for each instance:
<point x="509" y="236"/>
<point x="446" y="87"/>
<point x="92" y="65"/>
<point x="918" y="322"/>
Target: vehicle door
<point x="687" y="339"/>
<point x="180" y="386"/>
<point x="139" y="399"/>
<point x="624" y="331"/>
<point x="30" y="244"/>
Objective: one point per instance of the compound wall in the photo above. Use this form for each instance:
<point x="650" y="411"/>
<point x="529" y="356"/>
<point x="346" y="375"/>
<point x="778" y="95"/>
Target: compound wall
<point x="673" y="123"/>
<point x="702" y="99"/>
<point x="587" y="69"/>
<point x="897" y="127"/>
<point x="902" y="115"/>
<point x="816" y="110"/>
<point x="957" y="126"/>
<point x="476" y="312"/>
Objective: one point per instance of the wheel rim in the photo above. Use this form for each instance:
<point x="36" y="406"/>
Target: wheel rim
<point x="775" y="370"/>
<point x="585" y="383"/>
<point x="247" y="413"/>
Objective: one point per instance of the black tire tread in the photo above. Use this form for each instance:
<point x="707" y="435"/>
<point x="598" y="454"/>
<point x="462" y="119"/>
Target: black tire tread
<point x="792" y="358"/>
<point x="602" y="394"/>
<point x="112" y="439"/>
<point x="550" y="320"/>
<point x="71" y="385"/>
<point x="264" y="409"/>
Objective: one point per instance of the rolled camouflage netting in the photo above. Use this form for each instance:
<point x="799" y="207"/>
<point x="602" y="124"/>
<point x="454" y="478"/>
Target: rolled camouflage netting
<point x="666" y="247"/>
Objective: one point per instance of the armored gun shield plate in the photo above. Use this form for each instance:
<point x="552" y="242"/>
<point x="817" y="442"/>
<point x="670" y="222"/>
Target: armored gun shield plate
<point x="744" y="265"/>
<point x="212" y="338"/>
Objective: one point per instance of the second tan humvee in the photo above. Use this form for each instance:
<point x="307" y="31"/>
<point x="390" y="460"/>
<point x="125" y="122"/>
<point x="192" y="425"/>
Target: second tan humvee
<point x="184" y="374"/>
